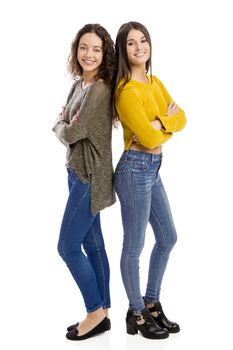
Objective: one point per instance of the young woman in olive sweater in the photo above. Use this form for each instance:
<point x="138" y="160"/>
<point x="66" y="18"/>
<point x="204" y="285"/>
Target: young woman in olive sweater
<point x="84" y="126"/>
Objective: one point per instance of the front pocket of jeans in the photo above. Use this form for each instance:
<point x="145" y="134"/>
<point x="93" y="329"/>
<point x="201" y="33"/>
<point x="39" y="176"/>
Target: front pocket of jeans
<point x="140" y="165"/>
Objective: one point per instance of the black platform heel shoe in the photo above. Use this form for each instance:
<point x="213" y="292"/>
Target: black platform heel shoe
<point x="162" y="320"/>
<point x="103" y="326"/>
<point x="149" y="329"/>
<point x="73" y="326"/>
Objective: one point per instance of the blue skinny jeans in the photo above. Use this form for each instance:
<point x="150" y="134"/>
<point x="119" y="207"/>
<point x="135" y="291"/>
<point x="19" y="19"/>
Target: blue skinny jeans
<point x="81" y="245"/>
<point x="143" y="200"/>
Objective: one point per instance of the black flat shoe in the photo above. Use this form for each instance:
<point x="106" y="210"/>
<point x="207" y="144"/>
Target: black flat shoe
<point x="149" y="329"/>
<point x="100" y="328"/>
<point x="162" y="320"/>
<point x="73" y="326"/>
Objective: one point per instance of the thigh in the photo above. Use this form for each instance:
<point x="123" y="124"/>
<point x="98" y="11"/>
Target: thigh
<point x="77" y="217"/>
<point x="134" y="192"/>
<point x="161" y="218"/>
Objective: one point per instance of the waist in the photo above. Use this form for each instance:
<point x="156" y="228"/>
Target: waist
<point x="140" y="148"/>
<point x="136" y="155"/>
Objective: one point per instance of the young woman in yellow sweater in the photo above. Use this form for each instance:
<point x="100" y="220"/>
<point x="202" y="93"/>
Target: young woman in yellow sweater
<point x="149" y="118"/>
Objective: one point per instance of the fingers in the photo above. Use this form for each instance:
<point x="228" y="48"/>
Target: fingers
<point x="172" y="108"/>
<point x="76" y="117"/>
<point x="61" y="114"/>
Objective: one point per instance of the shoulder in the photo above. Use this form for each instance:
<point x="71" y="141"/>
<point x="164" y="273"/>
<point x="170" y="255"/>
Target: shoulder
<point x="154" y="79"/>
<point x="157" y="81"/>
<point x="129" y="86"/>
<point x="99" y="95"/>
<point x="99" y="89"/>
<point x="73" y="87"/>
<point x="131" y="90"/>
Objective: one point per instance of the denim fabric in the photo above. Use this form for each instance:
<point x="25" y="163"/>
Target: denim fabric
<point x="143" y="199"/>
<point x="81" y="245"/>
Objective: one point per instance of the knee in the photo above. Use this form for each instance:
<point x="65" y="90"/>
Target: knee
<point x="171" y="241"/>
<point x="168" y="243"/>
<point x="132" y="250"/>
<point x="91" y="248"/>
<point x="61" y="250"/>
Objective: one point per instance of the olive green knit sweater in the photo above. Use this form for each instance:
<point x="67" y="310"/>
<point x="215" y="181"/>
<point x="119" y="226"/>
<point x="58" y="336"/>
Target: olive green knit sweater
<point x="88" y="141"/>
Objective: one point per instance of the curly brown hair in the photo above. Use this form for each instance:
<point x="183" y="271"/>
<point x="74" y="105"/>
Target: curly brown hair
<point x="107" y="69"/>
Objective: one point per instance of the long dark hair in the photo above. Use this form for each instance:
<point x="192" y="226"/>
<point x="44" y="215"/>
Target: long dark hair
<point x="107" y="68"/>
<point x="124" y="70"/>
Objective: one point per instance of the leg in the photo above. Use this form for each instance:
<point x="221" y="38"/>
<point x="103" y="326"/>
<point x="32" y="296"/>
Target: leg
<point x="95" y="249"/>
<point x="165" y="235"/>
<point x="133" y="182"/>
<point x="134" y="193"/>
<point x="76" y="223"/>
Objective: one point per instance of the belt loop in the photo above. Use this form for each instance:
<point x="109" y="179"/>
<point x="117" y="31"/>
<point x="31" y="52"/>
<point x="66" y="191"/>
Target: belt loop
<point x="126" y="155"/>
<point x="151" y="158"/>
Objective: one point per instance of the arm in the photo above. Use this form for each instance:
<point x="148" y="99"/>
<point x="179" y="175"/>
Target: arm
<point x="77" y="129"/>
<point x="84" y="121"/>
<point x="131" y="113"/>
<point x="174" y="119"/>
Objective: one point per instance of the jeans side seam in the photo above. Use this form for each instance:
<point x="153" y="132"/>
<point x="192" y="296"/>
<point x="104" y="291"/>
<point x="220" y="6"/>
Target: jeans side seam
<point x="101" y="264"/>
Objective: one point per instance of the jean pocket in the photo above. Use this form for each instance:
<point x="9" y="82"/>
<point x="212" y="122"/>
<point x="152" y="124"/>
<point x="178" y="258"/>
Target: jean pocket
<point x="140" y="165"/>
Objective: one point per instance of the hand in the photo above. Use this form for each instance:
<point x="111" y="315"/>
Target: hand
<point x="172" y="109"/>
<point x="61" y="115"/>
<point x="135" y="138"/>
<point x="75" y="118"/>
<point x="156" y="124"/>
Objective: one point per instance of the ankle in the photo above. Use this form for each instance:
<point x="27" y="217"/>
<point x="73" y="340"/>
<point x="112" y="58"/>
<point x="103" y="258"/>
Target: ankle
<point x="106" y="312"/>
<point x="97" y="314"/>
<point x="149" y="305"/>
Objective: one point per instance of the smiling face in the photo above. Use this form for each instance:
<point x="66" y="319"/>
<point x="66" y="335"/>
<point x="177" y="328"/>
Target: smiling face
<point x="137" y="47"/>
<point x="90" y="53"/>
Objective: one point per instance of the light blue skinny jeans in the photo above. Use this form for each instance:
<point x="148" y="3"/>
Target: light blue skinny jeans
<point x="81" y="245"/>
<point x="143" y="199"/>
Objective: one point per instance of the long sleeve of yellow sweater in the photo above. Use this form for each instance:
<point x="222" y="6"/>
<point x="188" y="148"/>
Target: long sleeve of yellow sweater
<point x="140" y="103"/>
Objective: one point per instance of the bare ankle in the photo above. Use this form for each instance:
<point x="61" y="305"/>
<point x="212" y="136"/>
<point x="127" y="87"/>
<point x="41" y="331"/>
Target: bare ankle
<point x="106" y="312"/>
<point x="148" y="305"/>
<point x="97" y="314"/>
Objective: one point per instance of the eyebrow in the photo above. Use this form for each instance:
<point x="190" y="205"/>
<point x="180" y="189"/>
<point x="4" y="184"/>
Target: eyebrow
<point x="96" y="46"/>
<point x="134" y="39"/>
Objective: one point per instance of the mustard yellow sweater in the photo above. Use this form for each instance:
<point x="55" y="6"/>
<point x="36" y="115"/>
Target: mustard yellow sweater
<point x="140" y="103"/>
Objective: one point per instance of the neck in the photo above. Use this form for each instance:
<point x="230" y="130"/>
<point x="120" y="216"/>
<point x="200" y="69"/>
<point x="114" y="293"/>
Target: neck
<point x="138" y="73"/>
<point x="88" y="77"/>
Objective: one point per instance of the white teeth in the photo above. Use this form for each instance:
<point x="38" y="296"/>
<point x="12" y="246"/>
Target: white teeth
<point x="139" y="54"/>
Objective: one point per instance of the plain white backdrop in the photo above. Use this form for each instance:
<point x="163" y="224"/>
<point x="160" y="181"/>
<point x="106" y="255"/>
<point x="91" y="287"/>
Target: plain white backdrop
<point x="192" y="55"/>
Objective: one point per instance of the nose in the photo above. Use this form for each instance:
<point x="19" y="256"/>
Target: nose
<point x="138" y="46"/>
<point x="89" y="53"/>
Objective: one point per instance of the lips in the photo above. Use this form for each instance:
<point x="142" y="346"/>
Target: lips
<point x="140" y="54"/>
<point x="88" y="61"/>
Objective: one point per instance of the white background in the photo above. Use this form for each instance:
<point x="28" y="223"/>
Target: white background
<point x="192" y="55"/>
